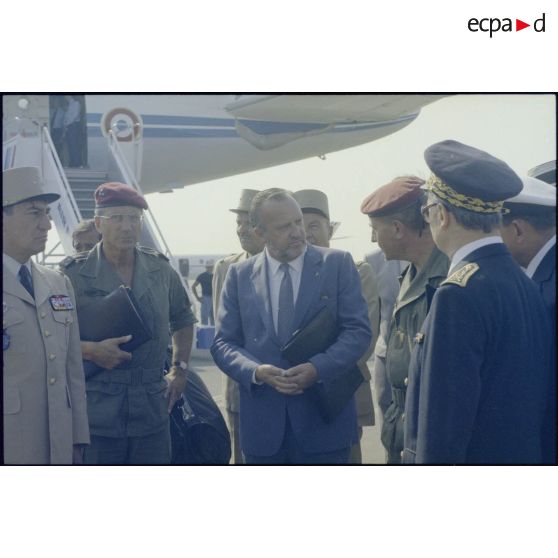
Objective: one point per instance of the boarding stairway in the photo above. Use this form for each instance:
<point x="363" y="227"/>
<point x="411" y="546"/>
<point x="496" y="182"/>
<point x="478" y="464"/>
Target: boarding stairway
<point x="83" y="183"/>
<point x="31" y="145"/>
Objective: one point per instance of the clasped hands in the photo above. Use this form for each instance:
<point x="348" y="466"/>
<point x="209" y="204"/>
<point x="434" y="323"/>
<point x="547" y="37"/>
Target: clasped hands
<point x="292" y="381"/>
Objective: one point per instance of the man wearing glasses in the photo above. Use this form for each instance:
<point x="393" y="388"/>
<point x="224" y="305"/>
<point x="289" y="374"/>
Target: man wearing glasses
<point x="129" y="400"/>
<point x="478" y="377"/>
<point x="45" y="415"/>
<point x="398" y="227"/>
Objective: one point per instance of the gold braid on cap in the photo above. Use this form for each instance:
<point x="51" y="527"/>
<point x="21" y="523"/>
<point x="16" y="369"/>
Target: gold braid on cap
<point x="447" y="193"/>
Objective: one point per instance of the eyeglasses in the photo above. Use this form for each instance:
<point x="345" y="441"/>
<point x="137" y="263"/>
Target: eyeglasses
<point x="425" y="210"/>
<point x="119" y="219"/>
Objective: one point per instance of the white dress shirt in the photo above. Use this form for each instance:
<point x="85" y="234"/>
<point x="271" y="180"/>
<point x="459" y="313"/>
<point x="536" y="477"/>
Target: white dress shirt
<point x="275" y="276"/>
<point x="72" y="113"/>
<point x="467" y="249"/>
<point x="534" y="263"/>
<point x="13" y="265"/>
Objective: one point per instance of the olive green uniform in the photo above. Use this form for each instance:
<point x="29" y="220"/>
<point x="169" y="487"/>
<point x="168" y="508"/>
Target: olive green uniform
<point x="411" y="307"/>
<point x="129" y="402"/>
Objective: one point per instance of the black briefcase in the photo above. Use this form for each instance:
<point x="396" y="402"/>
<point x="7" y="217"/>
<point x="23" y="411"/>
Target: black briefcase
<point x="114" y="315"/>
<point x="199" y="433"/>
<point x="316" y="337"/>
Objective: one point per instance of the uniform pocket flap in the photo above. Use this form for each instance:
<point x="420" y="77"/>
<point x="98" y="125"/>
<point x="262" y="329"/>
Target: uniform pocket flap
<point x="63" y="316"/>
<point x="12" y="401"/>
<point x="11" y="317"/>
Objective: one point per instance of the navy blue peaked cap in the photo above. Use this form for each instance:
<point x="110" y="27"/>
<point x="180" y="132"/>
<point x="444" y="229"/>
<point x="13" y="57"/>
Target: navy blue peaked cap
<point x="477" y="178"/>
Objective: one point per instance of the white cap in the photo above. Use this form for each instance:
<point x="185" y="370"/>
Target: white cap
<point x="535" y="192"/>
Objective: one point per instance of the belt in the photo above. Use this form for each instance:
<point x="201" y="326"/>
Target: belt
<point x="398" y="396"/>
<point x="131" y="376"/>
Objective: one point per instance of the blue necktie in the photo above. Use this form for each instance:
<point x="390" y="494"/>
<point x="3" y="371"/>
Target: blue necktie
<point x="285" y="312"/>
<point x="25" y="280"/>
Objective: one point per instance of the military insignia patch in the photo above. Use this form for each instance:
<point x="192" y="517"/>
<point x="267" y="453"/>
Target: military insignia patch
<point x="5" y="340"/>
<point x="462" y="275"/>
<point x="61" y="302"/>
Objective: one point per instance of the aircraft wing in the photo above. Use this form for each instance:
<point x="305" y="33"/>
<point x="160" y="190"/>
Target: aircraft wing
<point x="327" y="109"/>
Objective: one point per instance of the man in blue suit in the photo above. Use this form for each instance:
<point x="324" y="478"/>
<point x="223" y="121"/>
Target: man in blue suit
<point x="264" y="300"/>
<point x="479" y="374"/>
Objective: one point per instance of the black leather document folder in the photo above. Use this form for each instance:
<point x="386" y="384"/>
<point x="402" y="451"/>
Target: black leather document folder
<point x="316" y="337"/>
<point x="113" y="315"/>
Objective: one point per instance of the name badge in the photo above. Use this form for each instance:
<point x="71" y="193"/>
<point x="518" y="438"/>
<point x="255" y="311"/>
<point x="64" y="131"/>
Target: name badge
<point x="61" y="302"/>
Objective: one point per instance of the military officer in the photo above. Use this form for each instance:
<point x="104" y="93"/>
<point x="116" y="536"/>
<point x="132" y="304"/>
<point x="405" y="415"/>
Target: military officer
<point x="129" y="400"/>
<point x="479" y="372"/>
<point x="398" y="227"/>
<point x="319" y="230"/>
<point x="529" y="232"/>
<point x="251" y="245"/>
<point x="45" y="416"/>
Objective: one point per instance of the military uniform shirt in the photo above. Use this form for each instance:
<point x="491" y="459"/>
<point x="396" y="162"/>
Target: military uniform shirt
<point x="130" y="400"/>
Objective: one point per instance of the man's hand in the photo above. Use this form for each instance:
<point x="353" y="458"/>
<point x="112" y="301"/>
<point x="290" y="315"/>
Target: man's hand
<point x="303" y="375"/>
<point x="275" y="377"/>
<point x="176" y="380"/>
<point x="107" y="353"/>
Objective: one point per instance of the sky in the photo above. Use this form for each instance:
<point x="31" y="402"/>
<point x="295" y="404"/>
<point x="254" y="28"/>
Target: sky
<point x="520" y="129"/>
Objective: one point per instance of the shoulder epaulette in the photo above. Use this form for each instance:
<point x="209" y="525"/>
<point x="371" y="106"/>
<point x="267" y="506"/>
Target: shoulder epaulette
<point x="70" y="260"/>
<point x="462" y="275"/>
<point x="152" y="252"/>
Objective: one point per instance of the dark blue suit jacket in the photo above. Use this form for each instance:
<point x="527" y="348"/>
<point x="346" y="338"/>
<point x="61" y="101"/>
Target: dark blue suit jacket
<point x="245" y="337"/>
<point x="478" y="379"/>
<point x="545" y="278"/>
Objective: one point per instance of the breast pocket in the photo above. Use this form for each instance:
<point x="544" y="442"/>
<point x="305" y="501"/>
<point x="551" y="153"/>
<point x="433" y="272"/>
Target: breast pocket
<point x="63" y="320"/>
<point x="16" y="342"/>
<point x="11" y="318"/>
<point x="12" y="401"/>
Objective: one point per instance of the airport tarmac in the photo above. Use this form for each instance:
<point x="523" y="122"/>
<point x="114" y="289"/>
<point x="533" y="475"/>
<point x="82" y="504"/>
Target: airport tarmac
<point x="201" y="361"/>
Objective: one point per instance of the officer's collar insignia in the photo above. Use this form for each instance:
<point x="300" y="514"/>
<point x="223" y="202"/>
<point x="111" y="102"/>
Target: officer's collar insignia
<point x="61" y="302"/>
<point x="419" y="337"/>
<point x="462" y="275"/>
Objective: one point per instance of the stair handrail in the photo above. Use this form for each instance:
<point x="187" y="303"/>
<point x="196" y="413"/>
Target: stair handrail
<point x="47" y="140"/>
<point x="130" y="178"/>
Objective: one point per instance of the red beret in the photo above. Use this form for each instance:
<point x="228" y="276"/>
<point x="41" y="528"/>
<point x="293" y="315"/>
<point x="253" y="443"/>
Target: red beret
<point x="398" y="194"/>
<point x="112" y="194"/>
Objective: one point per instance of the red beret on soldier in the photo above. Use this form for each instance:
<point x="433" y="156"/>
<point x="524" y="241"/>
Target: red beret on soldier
<point x="394" y="196"/>
<point x="113" y="194"/>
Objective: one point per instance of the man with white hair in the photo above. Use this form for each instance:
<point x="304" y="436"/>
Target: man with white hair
<point x="529" y="231"/>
